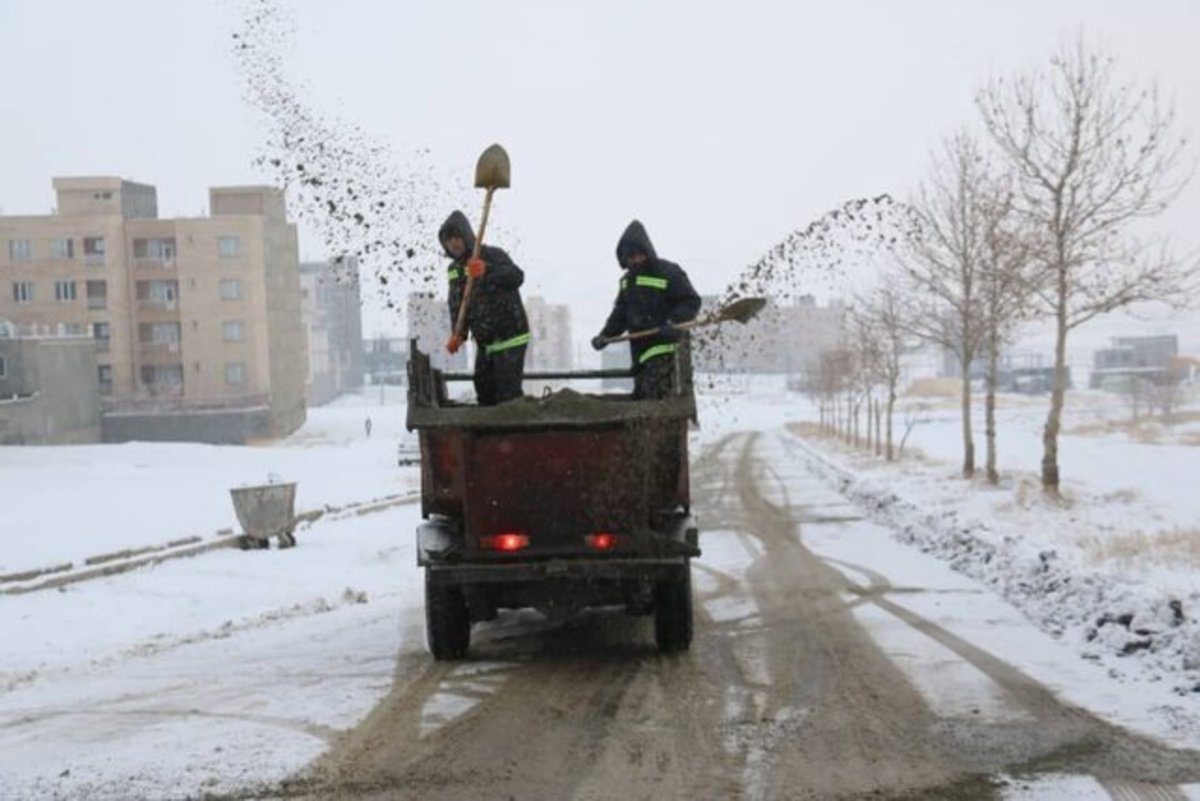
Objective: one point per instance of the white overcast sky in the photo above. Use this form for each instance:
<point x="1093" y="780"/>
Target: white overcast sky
<point x="723" y="126"/>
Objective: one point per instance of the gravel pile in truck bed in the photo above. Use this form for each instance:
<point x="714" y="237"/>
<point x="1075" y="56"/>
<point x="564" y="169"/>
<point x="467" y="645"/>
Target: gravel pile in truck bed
<point x="565" y="407"/>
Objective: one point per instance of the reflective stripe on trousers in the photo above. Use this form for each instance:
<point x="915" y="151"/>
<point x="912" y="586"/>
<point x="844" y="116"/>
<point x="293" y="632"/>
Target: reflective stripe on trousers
<point x="507" y="344"/>
<point x="657" y="350"/>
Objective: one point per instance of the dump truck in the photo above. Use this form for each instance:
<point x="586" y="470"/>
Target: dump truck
<point x="561" y="503"/>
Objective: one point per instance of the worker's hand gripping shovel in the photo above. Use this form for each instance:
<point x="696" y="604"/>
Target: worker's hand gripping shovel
<point x="492" y="172"/>
<point x="741" y="310"/>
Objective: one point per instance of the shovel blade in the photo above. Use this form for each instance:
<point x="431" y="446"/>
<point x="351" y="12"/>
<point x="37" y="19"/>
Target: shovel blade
<point x="743" y="310"/>
<point x="493" y="171"/>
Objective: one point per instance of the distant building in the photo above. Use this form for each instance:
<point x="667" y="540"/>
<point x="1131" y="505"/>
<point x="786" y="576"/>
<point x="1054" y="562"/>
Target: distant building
<point x="616" y="357"/>
<point x="1016" y="371"/>
<point x="429" y="323"/>
<point x="333" y="323"/>
<point x="385" y="360"/>
<point x="550" y="326"/>
<point x="1151" y="358"/>
<point x="195" y="322"/>
<point x="781" y="339"/>
<point x="48" y="389"/>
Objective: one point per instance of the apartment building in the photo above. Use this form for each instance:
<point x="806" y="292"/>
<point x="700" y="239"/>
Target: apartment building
<point x="428" y="319"/>
<point x="196" y="321"/>
<point x="333" y="324"/>
<point x="783" y="338"/>
<point x="550" y="325"/>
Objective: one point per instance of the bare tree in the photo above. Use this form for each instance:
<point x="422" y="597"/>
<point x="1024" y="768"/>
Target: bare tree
<point x="1008" y="275"/>
<point x="1166" y="394"/>
<point x="1093" y="155"/>
<point x="914" y="415"/>
<point x="883" y="313"/>
<point x="944" y="262"/>
<point x="863" y="340"/>
<point x="827" y="382"/>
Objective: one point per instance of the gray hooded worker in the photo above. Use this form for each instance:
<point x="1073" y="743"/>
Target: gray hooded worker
<point x="654" y="293"/>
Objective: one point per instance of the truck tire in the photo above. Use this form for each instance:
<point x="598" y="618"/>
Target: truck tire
<point x="673" y="612"/>
<point x="447" y="625"/>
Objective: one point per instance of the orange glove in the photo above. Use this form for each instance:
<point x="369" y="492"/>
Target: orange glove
<point x="455" y="342"/>
<point x="476" y="268"/>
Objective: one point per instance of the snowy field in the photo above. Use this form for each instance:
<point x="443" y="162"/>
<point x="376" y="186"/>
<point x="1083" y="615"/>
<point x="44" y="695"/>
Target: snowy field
<point x="236" y="669"/>
<point x="1112" y="568"/>
<point x="64" y="504"/>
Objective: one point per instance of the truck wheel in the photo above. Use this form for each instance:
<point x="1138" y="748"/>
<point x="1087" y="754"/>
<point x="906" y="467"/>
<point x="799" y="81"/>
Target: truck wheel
<point x="673" y="612"/>
<point x="447" y="625"/>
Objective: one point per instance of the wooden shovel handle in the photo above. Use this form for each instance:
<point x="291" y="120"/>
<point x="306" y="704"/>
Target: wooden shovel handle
<point x="460" y="325"/>
<point x="649" y="332"/>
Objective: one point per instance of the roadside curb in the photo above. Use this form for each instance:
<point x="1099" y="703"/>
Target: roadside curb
<point x="122" y="561"/>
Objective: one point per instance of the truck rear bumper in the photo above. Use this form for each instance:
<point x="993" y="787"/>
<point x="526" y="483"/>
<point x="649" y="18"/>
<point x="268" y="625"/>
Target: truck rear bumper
<point x="613" y="569"/>
<point x="441" y="544"/>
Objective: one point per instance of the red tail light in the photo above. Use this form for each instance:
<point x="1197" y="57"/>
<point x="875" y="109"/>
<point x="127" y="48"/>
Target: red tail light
<point x="601" y="540"/>
<point x="508" y="541"/>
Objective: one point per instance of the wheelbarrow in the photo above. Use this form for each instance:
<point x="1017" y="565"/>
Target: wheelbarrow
<point x="265" y="511"/>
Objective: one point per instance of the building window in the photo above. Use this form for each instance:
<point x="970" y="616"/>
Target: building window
<point x="163" y="379"/>
<point x="235" y="373"/>
<point x="70" y="330"/>
<point x="93" y="250"/>
<point x="20" y="250"/>
<point x="97" y="294"/>
<point x="104" y="373"/>
<point x="3" y="368"/>
<point x="23" y="291"/>
<point x="161" y="293"/>
<point x="64" y="291"/>
<point x="229" y="247"/>
<point x="158" y="333"/>
<point x="154" y="252"/>
<point x="231" y="289"/>
<point x="234" y="330"/>
<point x="63" y="248"/>
<point x="102" y="333"/>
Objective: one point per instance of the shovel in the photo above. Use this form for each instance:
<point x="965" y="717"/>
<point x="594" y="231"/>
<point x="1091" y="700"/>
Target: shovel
<point x="492" y="172"/>
<point x="742" y="310"/>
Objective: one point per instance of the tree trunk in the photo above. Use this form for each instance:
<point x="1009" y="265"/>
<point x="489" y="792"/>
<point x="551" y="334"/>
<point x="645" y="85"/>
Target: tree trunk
<point x="1050" y="477"/>
<point x="990" y="403"/>
<point x="968" y="437"/>
<point x="891" y="408"/>
<point x="878" y="428"/>
<point x="870" y="423"/>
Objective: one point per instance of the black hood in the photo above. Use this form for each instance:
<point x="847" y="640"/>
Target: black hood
<point x="635" y="240"/>
<point x="457" y="224"/>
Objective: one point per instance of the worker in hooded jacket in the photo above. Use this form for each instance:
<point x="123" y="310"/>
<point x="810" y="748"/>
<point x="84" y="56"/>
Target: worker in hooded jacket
<point x="654" y="294"/>
<point x="495" y="315"/>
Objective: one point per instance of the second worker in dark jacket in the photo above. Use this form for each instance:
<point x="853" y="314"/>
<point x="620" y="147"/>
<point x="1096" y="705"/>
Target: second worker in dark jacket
<point x="495" y="316"/>
<point x="654" y="293"/>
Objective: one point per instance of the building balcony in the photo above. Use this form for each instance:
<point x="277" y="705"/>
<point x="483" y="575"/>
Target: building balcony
<point x="142" y="263"/>
<point x="154" y="351"/>
<point x="97" y="303"/>
<point x="168" y="306"/>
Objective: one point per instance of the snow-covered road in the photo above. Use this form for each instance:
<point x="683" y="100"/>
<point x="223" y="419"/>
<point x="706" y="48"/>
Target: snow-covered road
<point x="830" y="660"/>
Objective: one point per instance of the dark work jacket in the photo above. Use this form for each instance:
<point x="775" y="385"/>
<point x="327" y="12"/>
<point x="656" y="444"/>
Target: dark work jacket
<point x="652" y="294"/>
<point x="496" y="313"/>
